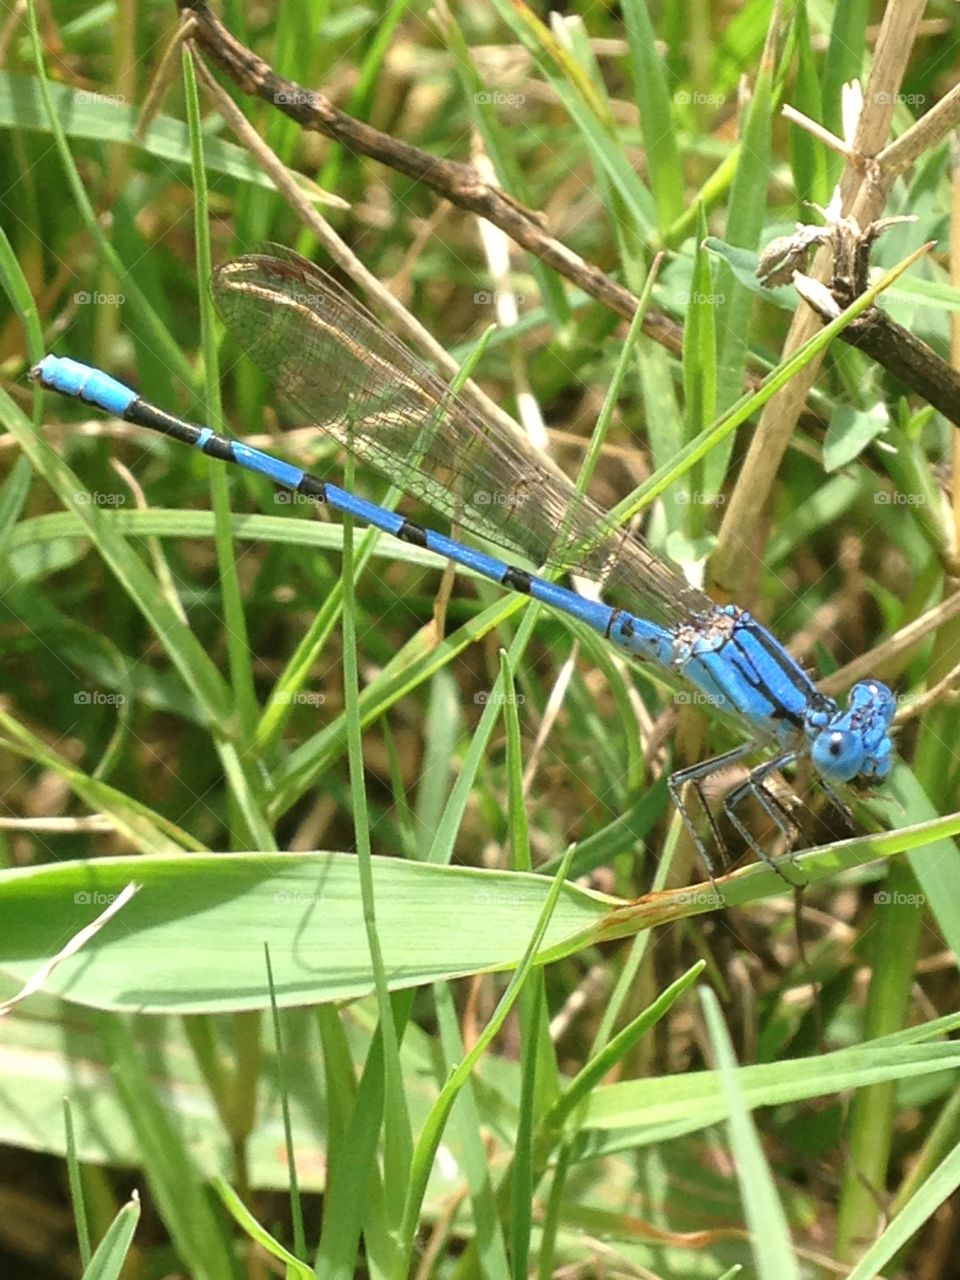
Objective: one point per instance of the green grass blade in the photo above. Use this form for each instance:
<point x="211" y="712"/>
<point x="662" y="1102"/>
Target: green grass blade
<point x="147" y="830"/>
<point x="748" y="405"/>
<point x="238" y="644"/>
<point x="766" y="1221"/>
<point x="155" y="330"/>
<point x="254" y="1230"/>
<point x="429" y="1139"/>
<point x="918" y="1212"/>
<point x="187" y="655"/>
<point x="656" y="116"/>
<point x="398" y="1137"/>
<point x="844" y="62"/>
<point x="499" y="146"/>
<point x="807" y="156"/>
<point x="585" y="106"/>
<point x="746" y="212"/>
<point x="77" y="1201"/>
<point x="465" y="1120"/>
<point x="113" y="1250"/>
<point x="175" y="1182"/>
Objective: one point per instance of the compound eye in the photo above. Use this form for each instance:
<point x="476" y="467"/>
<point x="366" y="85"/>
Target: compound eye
<point x="838" y="754"/>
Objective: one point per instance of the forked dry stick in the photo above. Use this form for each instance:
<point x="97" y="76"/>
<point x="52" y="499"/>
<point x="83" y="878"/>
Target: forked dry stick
<point x="465" y="187"/>
<point x="454" y="180"/>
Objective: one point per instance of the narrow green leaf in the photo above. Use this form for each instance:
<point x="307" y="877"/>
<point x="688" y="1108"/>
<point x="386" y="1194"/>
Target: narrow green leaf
<point x="746" y="212"/>
<point x="398" y="1134"/>
<point x="844" y="61"/>
<point x="429" y="1140"/>
<point x="256" y="1231"/>
<point x="176" y="1183"/>
<point x="113" y="1250"/>
<point x="155" y="330"/>
<point x="186" y="653"/>
<point x="766" y="1221"/>
<point x="76" y="1187"/>
<point x="656" y="116"/>
<point x="917" y="1213"/>
<point x="807" y="156"/>
<point x="192" y="940"/>
<point x="585" y="106"/>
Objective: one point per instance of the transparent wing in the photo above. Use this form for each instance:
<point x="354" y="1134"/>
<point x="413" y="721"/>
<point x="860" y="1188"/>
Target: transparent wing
<point x="345" y="374"/>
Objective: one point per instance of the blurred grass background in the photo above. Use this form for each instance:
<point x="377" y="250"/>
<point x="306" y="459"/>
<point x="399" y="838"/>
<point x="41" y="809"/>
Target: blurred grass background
<point x="632" y="132"/>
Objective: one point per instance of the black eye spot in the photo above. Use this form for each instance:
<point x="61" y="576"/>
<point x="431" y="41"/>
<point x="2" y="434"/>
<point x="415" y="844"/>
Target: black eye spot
<point x="835" y="747"/>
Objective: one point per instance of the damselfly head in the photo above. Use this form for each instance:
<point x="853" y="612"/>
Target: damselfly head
<point x="856" y="746"/>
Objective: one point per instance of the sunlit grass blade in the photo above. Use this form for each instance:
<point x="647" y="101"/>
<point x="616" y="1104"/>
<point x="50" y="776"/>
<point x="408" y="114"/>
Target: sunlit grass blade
<point x="656" y="116"/>
<point x="746" y="211"/>
<point x="766" y="1221"/>
<point x="176" y="1182"/>
<point x="254" y="1229"/>
<point x="113" y="1251"/>
<point x="585" y="107"/>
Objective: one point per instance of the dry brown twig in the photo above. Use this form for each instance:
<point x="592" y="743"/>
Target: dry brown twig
<point x="871" y="168"/>
<point x="864" y="188"/>
<point x="453" y="180"/>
